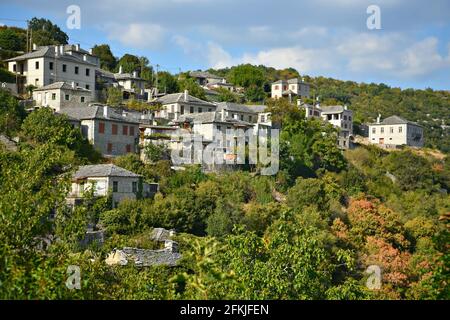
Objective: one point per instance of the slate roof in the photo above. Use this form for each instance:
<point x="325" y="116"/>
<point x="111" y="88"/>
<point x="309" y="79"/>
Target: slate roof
<point x="393" y="120"/>
<point x="95" y="112"/>
<point x="240" y="107"/>
<point x="204" y="74"/>
<point x="61" y="85"/>
<point x="332" y="109"/>
<point x="49" y="52"/>
<point x="146" y="258"/>
<point x="209" y="117"/>
<point x="290" y="81"/>
<point x="103" y="170"/>
<point x="179" y="97"/>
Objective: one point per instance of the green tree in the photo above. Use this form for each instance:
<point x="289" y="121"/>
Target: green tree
<point x="107" y="59"/>
<point x="11" y="114"/>
<point x="47" y="33"/>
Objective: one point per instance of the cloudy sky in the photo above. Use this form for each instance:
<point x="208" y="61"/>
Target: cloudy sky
<point x="320" y="37"/>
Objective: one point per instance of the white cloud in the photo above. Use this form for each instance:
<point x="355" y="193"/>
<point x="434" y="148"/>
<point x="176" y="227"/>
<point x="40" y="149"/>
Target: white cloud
<point x="218" y="57"/>
<point x="140" y="35"/>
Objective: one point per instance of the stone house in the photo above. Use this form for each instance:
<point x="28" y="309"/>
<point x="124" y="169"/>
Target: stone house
<point x="204" y="78"/>
<point x="289" y="88"/>
<point x="108" y="179"/>
<point x="111" y="133"/>
<point x="130" y="84"/>
<point x="177" y="104"/>
<point x="55" y="63"/>
<point x="60" y="95"/>
<point x="396" y="131"/>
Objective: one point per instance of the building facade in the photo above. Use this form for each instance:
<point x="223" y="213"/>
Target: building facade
<point x="290" y="88"/>
<point x="111" y="133"/>
<point x="57" y="63"/>
<point x="396" y="131"/>
<point x="60" y="95"/>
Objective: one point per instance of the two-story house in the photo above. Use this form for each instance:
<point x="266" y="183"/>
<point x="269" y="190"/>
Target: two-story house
<point x="60" y="95"/>
<point x="176" y="104"/>
<point x="56" y="63"/>
<point x="290" y="88"/>
<point x="130" y="84"/>
<point x="110" y="132"/>
<point x="108" y="179"/>
<point x="396" y="131"/>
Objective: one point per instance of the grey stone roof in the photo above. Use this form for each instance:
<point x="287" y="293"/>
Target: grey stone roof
<point x="146" y="258"/>
<point x="49" y="51"/>
<point x="229" y="106"/>
<point x="210" y="117"/>
<point x="61" y="85"/>
<point x="392" y="120"/>
<point x="102" y="170"/>
<point x="117" y="76"/>
<point x="204" y="74"/>
<point x="95" y="112"/>
<point x="179" y="98"/>
<point x="332" y="109"/>
<point x="290" y="81"/>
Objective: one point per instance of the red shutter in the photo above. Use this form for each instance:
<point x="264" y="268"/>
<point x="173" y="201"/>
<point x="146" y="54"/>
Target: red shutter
<point x="131" y="131"/>
<point x="125" y="130"/>
<point x="114" y="129"/>
<point x="101" y="127"/>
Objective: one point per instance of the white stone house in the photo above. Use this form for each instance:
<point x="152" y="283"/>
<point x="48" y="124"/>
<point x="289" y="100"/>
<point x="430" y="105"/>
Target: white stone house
<point x="204" y="78"/>
<point x="289" y="88"/>
<point x="110" y="132"/>
<point x="108" y="179"/>
<point x="56" y="63"/>
<point x="60" y="95"/>
<point x="339" y="116"/>
<point x="130" y="84"/>
<point x="177" y="104"/>
<point x="396" y="131"/>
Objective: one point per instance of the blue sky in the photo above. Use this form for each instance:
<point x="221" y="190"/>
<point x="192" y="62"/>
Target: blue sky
<point x="318" y="38"/>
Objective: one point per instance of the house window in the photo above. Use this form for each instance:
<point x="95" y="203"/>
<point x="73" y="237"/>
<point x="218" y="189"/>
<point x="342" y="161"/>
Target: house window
<point x="391" y="129"/>
<point x="67" y="97"/>
<point x="53" y="96"/>
<point x="101" y="127"/>
<point x="82" y="99"/>
<point x="219" y="128"/>
<point x="134" y="186"/>
<point x="200" y="110"/>
<point x="115" y="186"/>
<point x="114" y="129"/>
<point x="374" y="130"/>
<point x="88" y="72"/>
<point x="50" y="65"/>
<point x="36" y="82"/>
<point x="37" y="65"/>
<point x="263" y="118"/>
<point x="64" y="68"/>
<point x="209" y="109"/>
<point x="242" y="117"/>
<point x="128" y="148"/>
<point x="345" y="117"/>
<point x="277" y="87"/>
<point x="182" y="109"/>
<point x="109" y="147"/>
<point x="76" y="70"/>
<point x="191" y="109"/>
<point x="125" y="130"/>
<point x="382" y="130"/>
<point x="131" y="131"/>
<point x="14" y="67"/>
<point x="87" y="87"/>
<point x="349" y="118"/>
<point x="400" y="129"/>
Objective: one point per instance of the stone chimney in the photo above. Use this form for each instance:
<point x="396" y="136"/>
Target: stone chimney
<point x="186" y="94"/>
<point x="120" y="70"/>
<point x="77" y="47"/>
<point x="34" y="47"/>
<point x="73" y="84"/>
<point x="223" y="114"/>
<point x="106" y="111"/>
<point x="90" y="51"/>
<point x="135" y="74"/>
<point x="56" y="51"/>
<point x="61" y="49"/>
<point x="379" y="118"/>
<point x="345" y="107"/>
